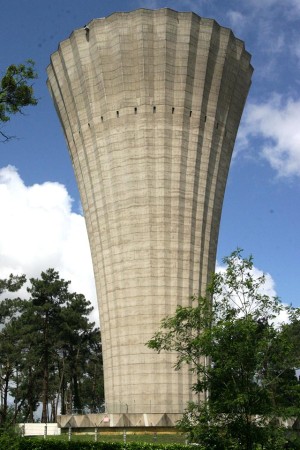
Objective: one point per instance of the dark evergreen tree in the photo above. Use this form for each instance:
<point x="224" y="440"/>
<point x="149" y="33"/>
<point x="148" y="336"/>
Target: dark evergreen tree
<point x="9" y="338"/>
<point x="80" y="345"/>
<point x="50" y="352"/>
<point x="43" y="315"/>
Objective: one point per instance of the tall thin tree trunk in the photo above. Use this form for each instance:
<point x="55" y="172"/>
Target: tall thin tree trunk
<point x="53" y="410"/>
<point x="45" y="394"/>
<point x="31" y="380"/>
<point x="77" y="401"/>
<point x="5" y="393"/>
<point x="60" y="389"/>
<point x="45" y="374"/>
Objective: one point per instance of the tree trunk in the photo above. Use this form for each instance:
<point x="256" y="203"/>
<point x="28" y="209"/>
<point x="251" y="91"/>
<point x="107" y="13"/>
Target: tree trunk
<point x="6" y="379"/>
<point x="60" y="392"/>
<point x="44" y="418"/>
<point x="45" y="395"/>
<point x="77" y="401"/>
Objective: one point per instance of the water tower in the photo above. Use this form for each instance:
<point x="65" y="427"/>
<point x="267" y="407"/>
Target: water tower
<point x="150" y="102"/>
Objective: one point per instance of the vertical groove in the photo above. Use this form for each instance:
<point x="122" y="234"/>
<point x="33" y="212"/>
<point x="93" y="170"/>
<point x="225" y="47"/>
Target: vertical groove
<point x="186" y="135"/>
<point x="205" y="258"/>
<point x="169" y="74"/>
<point x="93" y="166"/>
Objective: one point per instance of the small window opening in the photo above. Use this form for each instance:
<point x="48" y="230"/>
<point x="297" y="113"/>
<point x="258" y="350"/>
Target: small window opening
<point x="154" y="109"/>
<point x="87" y="32"/>
<point x="135" y="110"/>
<point x="204" y="118"/>
<point x="101" y="118"/>
<point x="117" y="113"/>
<point x="173" y="109"/>
<point x="191" y="113"/>
<point x="217" y="126"/>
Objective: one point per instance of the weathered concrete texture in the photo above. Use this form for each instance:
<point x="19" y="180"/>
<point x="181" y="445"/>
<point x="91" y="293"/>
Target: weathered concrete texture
<point x="120" y="420"/>
<point x="150" y="103"/>
<point x="141" y="422"/>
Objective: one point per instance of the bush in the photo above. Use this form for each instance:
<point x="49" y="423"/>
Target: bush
<point x="54" y="444"/>
<point x="9" y="441"/>
<point x="18" y="443"/>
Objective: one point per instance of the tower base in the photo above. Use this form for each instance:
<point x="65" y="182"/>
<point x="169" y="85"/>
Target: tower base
<point x="122" y="420"/>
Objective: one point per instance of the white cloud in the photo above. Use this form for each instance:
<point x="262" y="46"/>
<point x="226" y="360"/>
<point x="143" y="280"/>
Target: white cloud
<point x="258" y="4"/>
<point x="276" y="123"/>
<point x="237" y="20"/>
<point x="287" y="5"/>
<point x="38" y="230"/>
<point x="276" y="42"/>
<point x="268" y="288"/>
<point x="295" y="49"/>
<point x="192" y="5"/>
<point x="150" y="4"/>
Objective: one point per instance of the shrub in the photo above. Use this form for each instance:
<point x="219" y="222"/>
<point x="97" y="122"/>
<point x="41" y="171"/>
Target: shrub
<point x="18" y="443"/>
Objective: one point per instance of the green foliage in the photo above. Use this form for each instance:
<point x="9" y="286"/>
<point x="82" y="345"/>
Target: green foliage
<point x="15" y="92"/>
<point x="53" y="444"/>
<point x="244" y="364"/>
<point x="12" y="283"/>
<point x="9" y="442"/>
<point x="49" y="351"/>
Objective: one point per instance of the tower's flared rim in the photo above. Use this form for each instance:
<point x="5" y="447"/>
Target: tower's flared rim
<point x="110" y="16"/>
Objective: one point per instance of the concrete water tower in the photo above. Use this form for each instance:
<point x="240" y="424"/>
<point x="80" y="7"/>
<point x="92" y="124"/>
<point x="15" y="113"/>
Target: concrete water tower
<point x="150" y="103"/>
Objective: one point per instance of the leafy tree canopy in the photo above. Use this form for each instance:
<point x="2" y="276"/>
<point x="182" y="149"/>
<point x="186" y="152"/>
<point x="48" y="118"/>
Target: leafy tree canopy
<point x="243" y="360"/>
<point x="16" y="92"/>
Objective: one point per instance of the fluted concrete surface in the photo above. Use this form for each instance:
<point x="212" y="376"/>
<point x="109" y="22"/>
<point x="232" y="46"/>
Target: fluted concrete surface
<point x="150" y="102"/>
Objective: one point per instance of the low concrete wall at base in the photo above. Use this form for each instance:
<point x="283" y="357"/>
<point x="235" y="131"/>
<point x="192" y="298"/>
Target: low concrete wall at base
<point x="130" y="420"/>
<point x="38" y="429"/>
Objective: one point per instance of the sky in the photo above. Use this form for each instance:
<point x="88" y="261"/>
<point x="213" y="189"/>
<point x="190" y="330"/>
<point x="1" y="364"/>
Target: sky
<point x="42" y="224"/>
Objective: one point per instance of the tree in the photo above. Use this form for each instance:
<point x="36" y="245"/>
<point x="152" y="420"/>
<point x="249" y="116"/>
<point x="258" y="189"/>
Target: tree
<point x="78" y="348"/>
<point x="92" y="383"/>
<point x="8" y="338"/>
<point x="11" y="284"/>
<point x="16" y="92"/>
<point x="48" y="348"/>
<point x="48" y="294"/>
<point x="58" y="346"/>
<point x="244" y="363"/>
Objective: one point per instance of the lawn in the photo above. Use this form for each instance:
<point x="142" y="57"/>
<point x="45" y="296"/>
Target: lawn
<point x="155" y="438"/>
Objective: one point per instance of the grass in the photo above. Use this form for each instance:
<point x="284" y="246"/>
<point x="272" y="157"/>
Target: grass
<point x="157" y="438"/>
